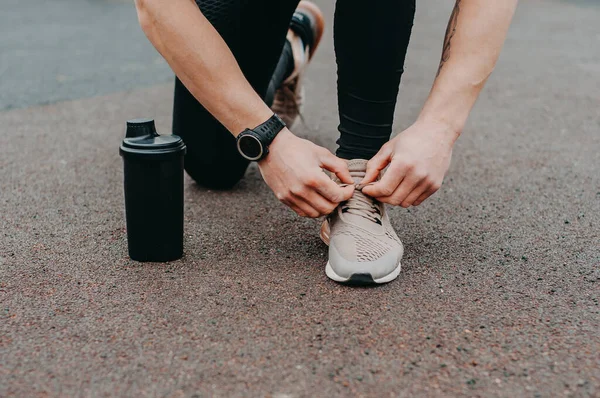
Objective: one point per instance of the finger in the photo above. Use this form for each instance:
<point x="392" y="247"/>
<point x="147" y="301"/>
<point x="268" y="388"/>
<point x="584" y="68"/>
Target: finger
<point x="332" y="191"/>
<point x="298" y="211"/>
<point x="295" y="208"/>
<point x="318" y="202"/>
<point x="414" y="195"/>
<point x="388" y="183"/>
<point x="306" y="209"/>
<point x="336" y="165"/>
<point x="404" y="189"/>
<point x="376" y="164"/>
<point x="425" y="195"/>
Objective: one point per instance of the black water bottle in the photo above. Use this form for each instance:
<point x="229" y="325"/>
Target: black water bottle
<point x="153" y="171"/>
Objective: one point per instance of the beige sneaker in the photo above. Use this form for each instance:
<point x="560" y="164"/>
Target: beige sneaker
<point x="289" y="98"/>
<point x="363" y="246"/>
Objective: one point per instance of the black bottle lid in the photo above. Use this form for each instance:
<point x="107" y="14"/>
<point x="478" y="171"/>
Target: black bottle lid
<point x="141" y="139"/>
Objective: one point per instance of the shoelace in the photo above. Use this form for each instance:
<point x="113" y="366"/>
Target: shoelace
<point x="362" y="205"/>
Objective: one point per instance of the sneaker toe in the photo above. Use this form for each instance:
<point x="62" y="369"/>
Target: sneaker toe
<point x="345" y="264"/>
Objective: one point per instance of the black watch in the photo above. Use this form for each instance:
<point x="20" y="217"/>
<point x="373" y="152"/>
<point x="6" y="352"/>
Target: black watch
<point x="253" y="144"/>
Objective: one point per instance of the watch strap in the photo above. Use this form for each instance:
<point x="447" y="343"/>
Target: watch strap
<point x="269" y="129"/>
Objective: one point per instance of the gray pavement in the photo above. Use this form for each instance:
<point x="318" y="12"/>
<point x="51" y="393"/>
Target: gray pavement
<point x="499" y="290"/>
<point x="54" y="50"/>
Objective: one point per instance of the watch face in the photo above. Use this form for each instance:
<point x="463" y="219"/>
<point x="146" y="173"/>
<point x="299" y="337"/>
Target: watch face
<point x="250" y="147"/>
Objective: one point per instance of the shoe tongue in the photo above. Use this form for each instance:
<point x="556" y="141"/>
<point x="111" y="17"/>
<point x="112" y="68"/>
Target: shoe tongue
<point x="357" y="165"/>
<point x="358" y="169"/>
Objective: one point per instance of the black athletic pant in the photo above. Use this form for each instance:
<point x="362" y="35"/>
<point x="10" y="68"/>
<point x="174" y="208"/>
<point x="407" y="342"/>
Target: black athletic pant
<point x="370" y="40"/>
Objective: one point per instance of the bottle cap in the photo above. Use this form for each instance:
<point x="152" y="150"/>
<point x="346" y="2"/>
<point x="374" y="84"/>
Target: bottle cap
<point x="141" y="139"/>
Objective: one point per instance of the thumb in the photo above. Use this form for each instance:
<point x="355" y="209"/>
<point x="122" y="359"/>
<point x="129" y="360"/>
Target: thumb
<point x="337" y="166"/>
<point x="376" y="164"/>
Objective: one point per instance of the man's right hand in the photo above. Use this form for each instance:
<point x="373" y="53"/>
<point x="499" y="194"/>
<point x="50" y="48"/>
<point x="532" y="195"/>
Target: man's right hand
<point x="293" y="170"/>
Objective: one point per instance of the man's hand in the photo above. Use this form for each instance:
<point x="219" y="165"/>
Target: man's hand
<point x="419" y="157"/>
<point x="418" y="160"/>
<point x="293" y="170"/>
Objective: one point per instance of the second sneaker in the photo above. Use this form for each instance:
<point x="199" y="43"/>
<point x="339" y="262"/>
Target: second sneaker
<point x="304" y="36"/>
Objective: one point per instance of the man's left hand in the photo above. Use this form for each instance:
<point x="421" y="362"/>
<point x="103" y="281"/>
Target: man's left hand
<point x="418" y="160"/>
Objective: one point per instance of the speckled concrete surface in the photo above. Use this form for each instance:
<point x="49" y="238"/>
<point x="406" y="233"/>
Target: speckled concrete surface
<point x="498" y="295"/>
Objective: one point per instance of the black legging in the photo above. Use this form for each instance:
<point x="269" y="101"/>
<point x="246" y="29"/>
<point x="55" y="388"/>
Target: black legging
<point x="370" y="40"/>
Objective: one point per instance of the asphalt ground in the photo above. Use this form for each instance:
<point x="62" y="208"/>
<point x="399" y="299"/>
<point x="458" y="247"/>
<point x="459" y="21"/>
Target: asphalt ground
<point x="499" y="290"/>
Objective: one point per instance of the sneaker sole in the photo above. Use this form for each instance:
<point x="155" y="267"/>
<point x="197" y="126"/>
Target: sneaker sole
<point x="324" y="233"/>
<point x="362" y="279"/>
<point x="354" y="279"/>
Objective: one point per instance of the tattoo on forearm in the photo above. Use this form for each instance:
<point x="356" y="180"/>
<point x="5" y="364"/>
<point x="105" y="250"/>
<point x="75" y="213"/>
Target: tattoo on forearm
<point x="450" y="30"/>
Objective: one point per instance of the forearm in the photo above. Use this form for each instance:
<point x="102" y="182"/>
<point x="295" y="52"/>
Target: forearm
<point x="202" y="61"/>
<point x="472" y="44"/>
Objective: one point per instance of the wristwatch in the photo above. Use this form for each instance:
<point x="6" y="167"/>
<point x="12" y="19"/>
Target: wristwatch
<point x="253" y="144"/>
